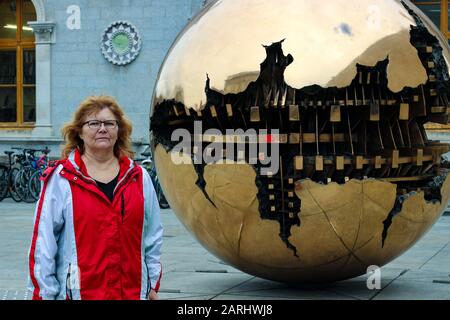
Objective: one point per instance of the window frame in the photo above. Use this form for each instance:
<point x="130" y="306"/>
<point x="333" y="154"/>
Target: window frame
<point x="444" y="25"/>
<point x="19" y="45"/>
<point x="443" y="14"/>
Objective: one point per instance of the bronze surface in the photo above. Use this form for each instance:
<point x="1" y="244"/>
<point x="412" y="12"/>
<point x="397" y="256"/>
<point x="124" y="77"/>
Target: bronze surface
<point x="327" y="40"/>
<point x="350" y="87"/>
<point x="339" y="237"/>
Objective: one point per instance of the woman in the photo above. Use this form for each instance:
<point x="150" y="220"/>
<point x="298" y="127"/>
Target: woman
<point x="97" y="230"/>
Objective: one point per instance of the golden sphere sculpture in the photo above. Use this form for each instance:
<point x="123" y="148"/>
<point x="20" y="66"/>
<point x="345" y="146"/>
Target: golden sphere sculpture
<point x="312" y="117"/>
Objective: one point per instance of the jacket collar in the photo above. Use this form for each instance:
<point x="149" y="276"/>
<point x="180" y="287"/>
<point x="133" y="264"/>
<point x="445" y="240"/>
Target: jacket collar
<point x="75" y="170"/>
<point x="126" y="164"/>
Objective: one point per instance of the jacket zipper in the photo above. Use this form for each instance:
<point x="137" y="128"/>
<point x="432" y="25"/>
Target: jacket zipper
<point x="68" y="285"/>
<point x="123" y="178"/>
<point x="122" y="197"/>
<point x="123" y="206"/>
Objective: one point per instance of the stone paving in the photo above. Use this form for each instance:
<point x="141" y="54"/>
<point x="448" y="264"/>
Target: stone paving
<point x="191" y="273"/>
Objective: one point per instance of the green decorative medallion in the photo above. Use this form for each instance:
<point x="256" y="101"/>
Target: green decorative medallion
<point x="121" y="43"/>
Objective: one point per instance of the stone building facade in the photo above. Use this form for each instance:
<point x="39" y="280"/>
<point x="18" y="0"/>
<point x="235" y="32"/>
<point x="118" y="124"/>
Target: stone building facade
<point x="69" y="64"/>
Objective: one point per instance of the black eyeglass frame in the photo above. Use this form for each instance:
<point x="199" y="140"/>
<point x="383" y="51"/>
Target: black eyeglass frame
<point x="101" y="122"/>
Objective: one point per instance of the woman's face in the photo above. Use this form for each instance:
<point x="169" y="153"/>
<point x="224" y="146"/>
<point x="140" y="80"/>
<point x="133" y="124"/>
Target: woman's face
<point x="100" y="131"/>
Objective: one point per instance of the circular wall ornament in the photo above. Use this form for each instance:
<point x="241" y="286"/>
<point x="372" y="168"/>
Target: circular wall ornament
<point x="120" y="43"/>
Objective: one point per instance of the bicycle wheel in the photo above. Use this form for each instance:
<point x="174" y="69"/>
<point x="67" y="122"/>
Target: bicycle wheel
<point x="12" y="190"/>
<point x="163" y="204"/>
<point x="21" y="185"/>
<point x="3" y="182"/>
<point x="34" y="185"/>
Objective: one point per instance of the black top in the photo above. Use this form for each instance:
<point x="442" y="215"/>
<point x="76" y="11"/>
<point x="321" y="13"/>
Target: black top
<point x="108" y="188"/>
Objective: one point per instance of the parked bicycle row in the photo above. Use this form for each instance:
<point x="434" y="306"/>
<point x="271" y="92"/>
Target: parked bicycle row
<point x="20" y="176"/>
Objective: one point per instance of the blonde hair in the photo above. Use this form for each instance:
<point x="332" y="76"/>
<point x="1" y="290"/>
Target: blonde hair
<point x="92" y="105"/>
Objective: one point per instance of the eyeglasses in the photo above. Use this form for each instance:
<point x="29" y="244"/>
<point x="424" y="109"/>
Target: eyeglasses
<point x="96" y="124"/>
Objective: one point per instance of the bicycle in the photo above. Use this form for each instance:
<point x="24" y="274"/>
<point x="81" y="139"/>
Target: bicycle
<point x="31" y="166"/>
<point x="149" y="165"/>
<point x="34" y="185"/>
<point x="8" y="174"/>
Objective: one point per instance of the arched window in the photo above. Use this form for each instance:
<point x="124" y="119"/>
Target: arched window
<point x="438" y="12"/>
<point x="17" y="64"/>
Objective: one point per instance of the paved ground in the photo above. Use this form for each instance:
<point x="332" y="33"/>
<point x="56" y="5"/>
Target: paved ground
<point x="190" y="272"/>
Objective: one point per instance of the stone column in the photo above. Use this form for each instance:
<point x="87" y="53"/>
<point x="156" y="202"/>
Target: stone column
<point x="43" y="33"/>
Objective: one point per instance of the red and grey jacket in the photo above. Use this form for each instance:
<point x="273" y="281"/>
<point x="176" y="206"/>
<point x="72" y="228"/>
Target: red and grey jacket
<point x="85" y="247"/>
